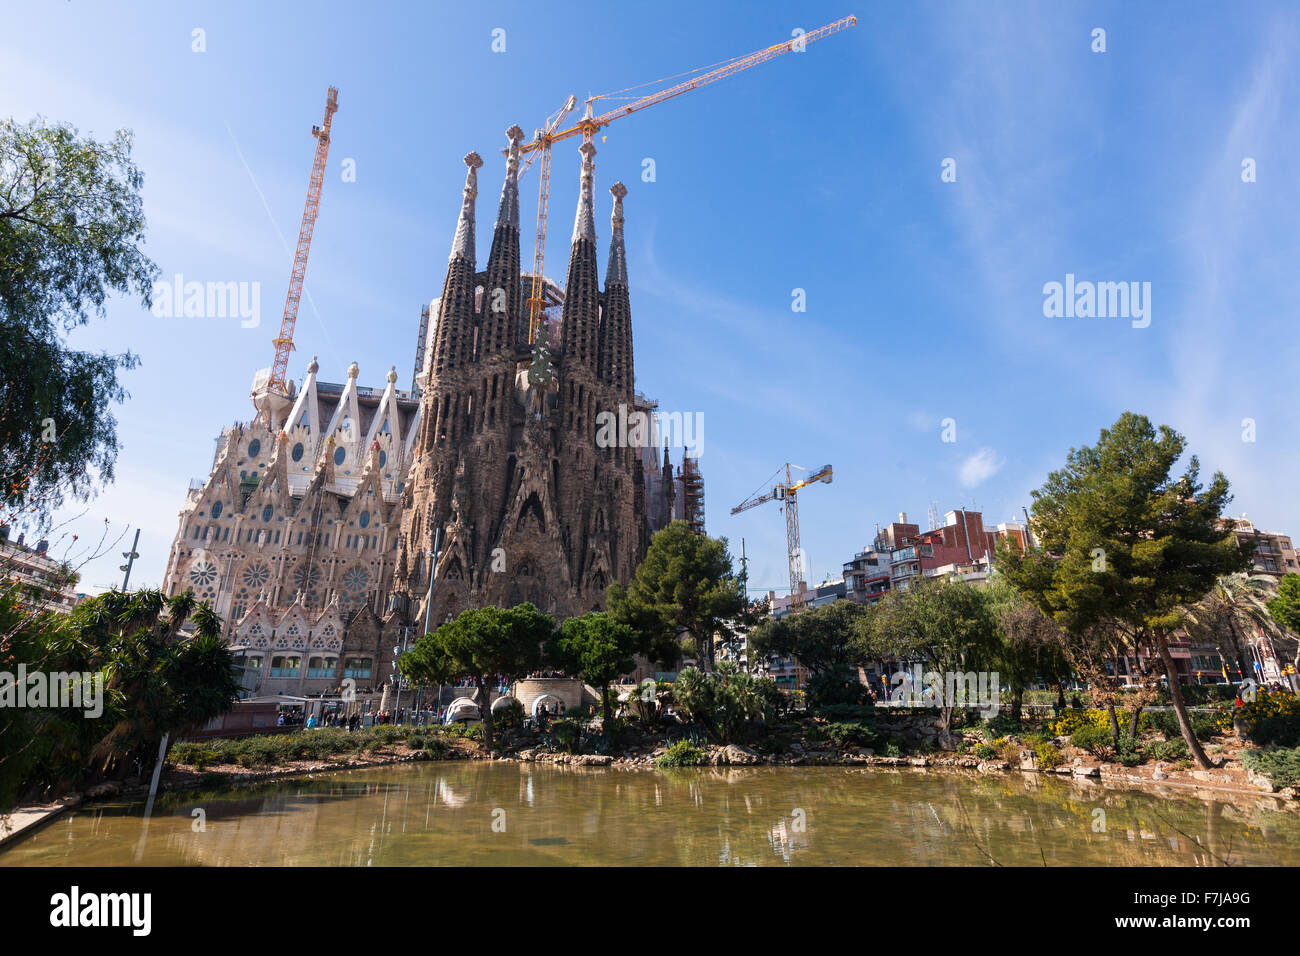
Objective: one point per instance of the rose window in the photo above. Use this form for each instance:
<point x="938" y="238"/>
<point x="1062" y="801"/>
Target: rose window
<point x="256" y="575"/>
<point x="203" y="573"/>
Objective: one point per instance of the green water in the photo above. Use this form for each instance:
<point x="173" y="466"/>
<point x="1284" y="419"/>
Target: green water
<point x="458" y="813"/>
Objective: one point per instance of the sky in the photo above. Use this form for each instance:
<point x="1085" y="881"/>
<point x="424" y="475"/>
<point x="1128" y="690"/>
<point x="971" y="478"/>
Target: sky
<point x="914" y="183"/>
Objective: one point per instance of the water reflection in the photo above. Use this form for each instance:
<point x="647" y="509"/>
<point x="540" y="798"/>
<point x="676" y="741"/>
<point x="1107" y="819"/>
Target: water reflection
<point x="524" y="814"/>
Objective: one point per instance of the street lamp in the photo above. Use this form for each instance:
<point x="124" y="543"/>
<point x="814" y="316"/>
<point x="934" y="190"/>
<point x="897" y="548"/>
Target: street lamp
<point x="130" y="559"/>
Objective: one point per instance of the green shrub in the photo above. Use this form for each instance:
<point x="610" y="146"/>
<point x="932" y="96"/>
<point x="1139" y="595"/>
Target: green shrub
<point x="1282" y="731"/>
<point x="893" y="748"/>
<point x="681" y="754"/>
<point x="1167" y="750"/>
<point x="1129" y="752"/>
<point x="1204" y="724"/>
<point x="567" y="734"/>
<point x="1048" y="755"/>
<point x="1280" y="765"/>
<point x="1096" y="740"/>
<point x="985" y="752"/>
<point x="1001" y="725"/>
<point x="851" y="712"/>
<point x="849" y="734"/>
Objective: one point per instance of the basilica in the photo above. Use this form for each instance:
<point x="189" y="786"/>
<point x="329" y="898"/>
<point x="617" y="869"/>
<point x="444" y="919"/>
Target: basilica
<point x="342" y="520"/>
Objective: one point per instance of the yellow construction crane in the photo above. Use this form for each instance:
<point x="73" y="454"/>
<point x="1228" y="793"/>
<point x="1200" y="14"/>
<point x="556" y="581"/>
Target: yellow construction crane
<point x="550" y="134"/>
<point x="788" y="495"/>
<point x="284" y="341"/>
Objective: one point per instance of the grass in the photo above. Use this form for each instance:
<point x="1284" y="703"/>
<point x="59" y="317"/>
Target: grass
<point x="324" y="744"/>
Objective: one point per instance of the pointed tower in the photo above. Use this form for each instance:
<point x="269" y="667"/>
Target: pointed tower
<point x="581" y="322"/>
<point x="454" y="344"/>
<point x="616" y="316"/>
<point x="502" y="299"/>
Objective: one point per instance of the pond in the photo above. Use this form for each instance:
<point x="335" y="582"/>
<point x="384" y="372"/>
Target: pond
<point x="455" y="813"/>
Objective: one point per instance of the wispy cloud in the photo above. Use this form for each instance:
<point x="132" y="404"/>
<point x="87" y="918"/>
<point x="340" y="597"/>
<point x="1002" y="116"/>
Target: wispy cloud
<point x="980" y="467"/>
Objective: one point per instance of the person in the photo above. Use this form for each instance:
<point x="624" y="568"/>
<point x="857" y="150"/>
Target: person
<point x="279" y="720"/>
<point x="1075" y="703"/>
<point x="311" y="722"/>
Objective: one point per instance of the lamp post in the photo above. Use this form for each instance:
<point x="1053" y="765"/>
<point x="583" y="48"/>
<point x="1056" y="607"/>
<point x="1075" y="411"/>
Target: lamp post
<point x="428" y="600"/>
<point x="130" y="559"/>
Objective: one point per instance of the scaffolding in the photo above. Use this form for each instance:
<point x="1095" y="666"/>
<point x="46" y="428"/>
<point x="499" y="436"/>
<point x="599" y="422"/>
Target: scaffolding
<point x="692" y="494"/>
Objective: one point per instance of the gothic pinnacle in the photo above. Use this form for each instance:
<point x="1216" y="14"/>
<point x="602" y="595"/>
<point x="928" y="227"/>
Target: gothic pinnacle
<point x="616" y="274"/>
<point x="463" y="244"/>
<point x="508" y="213"/>
<point x="584" y="223"/>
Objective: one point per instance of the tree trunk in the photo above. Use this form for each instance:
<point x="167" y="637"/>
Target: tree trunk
<point x="1114" y="723"/>
<point x="485" y="708"/>
<point x="1133" y="725"/>
<point x="1017" y="702"/>
<point x="1176" y="697"/>
<point x="604" y="703"/>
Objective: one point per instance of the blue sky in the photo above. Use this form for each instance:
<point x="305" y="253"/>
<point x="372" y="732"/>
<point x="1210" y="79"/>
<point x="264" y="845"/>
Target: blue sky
<point x="819" y="171"/>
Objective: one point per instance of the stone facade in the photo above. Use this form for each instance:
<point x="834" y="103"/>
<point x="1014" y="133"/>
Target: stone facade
<point x="531" y="506"/>
<point x="312" y="534"/>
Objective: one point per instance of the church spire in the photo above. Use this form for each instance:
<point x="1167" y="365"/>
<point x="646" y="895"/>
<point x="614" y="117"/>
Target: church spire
<point x="463" y="245"/>
<point x="616" y="317"/>
<point x="581" y="314"/>
<point x="584" y="223"/>
<point x="501" y="310"/>
<point x="616" y="273"/>
<point x="454" y="332"/>
<point x="508" y="211"/>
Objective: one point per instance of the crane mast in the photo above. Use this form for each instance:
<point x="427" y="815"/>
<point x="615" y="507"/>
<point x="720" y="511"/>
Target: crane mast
<point x="788" y="494"/>
<point x="590" y="124"/>
<point x="284" y="341"/>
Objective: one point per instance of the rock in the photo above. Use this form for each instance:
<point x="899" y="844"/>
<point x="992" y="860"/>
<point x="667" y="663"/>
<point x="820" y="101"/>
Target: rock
<point x="737" y="756"/>
<point x="866" y="752"/>
<point x="1159" y="774"/>
<point x="1078" y="761"/>
<point x="1028" y="761"/>
<point x="1086" y="772"/>
<point x="107" y="789"/>
<point x="918" y="761"/>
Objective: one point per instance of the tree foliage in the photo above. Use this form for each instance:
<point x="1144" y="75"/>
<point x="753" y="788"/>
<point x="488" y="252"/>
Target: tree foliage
<point x="823" y="639"/>
<point x="480" y="644"/>
<point x="71" y="230"/>
<point x="158" y="679"/>
<point x="685" y="584"/>
<point x="1126" y="545"/>
<point x="595" y="648"/>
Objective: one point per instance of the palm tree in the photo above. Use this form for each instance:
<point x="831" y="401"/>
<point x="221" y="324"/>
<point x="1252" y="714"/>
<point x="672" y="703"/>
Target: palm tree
<point x="1231" y="612"/>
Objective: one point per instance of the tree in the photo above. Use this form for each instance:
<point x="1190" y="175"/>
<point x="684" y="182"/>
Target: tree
<point x="1029" y="644"/>
<point x="946" y="624"/>
<point x="1127" y="547"/>
<point x="71" y="227"/>
<point x="481" y="643"/>
<point x="167" y="681"/>
<point x="822" y="639"/>
<point x="1285" y="608"/>
<point x="595" y="648"/>
<point x="1236" y="605"/>
<point x="685" y="584"/>
<point x="156" y="677"/>
<point x="725" y="702"/>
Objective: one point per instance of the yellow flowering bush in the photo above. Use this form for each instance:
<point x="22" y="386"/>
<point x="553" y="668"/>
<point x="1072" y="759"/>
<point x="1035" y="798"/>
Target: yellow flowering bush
<point x="1264" y="706"/>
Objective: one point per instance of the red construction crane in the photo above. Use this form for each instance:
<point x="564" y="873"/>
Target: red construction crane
<point x="284" y="341"/>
